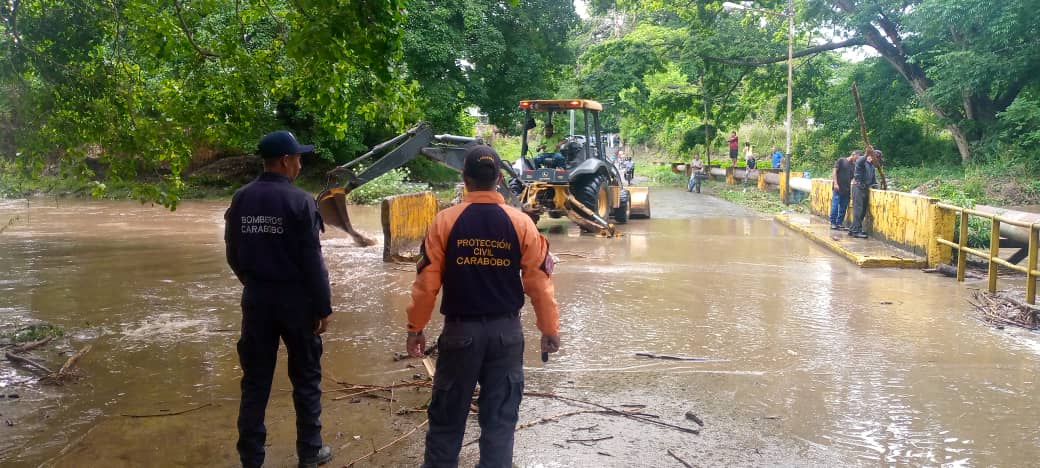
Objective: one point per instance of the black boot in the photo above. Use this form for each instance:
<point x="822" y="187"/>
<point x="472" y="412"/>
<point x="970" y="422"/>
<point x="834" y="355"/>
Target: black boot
<point x="322" y="457"/>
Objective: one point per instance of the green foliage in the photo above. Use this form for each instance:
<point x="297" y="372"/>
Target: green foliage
<point x="34" y="332"/>
<point x="389" y="184"/>
<point x="906" y="135"/>
<point x="751" y="197"/>
<point x="137" y="88"/>
<point x="659" y="174"/>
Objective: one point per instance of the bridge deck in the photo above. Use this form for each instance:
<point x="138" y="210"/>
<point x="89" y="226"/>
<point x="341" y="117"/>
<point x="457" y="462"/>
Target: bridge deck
<point x="867" y="253"/>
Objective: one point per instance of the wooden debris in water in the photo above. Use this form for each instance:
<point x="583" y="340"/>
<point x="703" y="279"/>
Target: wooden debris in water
<point x="673" y="358"/>
<point x="1001" y="309"/>
<point x="684" y="463"/>
<point x="67" y="371"/>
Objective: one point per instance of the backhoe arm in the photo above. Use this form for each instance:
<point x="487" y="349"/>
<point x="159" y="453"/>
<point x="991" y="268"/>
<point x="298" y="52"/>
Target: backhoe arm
<point x="448" y="150"/>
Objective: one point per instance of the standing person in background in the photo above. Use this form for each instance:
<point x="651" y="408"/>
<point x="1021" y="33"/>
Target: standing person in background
<point x="841" y="188"/>
<point x="696" y="174"/>
<point x="750" y="162"/>
<point x="734" y="148"/>
<point x="862" y="180"/>
<point x="778" y="158"/>
<point x="271" y="235"/>
<point x="486" y="255"/>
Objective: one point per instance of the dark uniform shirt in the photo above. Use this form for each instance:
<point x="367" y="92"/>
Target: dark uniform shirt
<point x="271" y="234"/>
<point x="864" y="173"/>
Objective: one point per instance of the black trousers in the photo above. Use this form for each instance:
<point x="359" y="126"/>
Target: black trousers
<point x="490" y="353"/>
<point x="267" y="316"/>
<point x="860" y="198"/>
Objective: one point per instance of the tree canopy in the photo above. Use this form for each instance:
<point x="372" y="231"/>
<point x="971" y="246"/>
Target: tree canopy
<point x="137" y="90"/>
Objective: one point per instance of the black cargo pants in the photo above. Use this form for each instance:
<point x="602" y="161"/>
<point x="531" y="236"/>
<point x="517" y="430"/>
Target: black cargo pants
<point x="490" y="352"/>
<point x="860" y="197"/>
<point x="270" y="313"/>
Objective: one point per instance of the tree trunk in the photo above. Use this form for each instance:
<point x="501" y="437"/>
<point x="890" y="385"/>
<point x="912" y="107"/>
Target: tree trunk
<point x="963" y="145"/>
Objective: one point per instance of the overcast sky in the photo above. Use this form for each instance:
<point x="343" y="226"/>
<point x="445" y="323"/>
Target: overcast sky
<point x="579" y="6"/>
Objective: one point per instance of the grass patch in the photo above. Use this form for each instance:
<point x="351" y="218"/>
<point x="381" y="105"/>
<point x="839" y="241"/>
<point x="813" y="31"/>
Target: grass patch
<point x="33" y="332"/>
<point x="751" y="197"/>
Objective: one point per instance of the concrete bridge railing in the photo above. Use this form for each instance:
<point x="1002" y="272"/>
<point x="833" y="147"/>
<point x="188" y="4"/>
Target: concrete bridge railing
<point x="908" y="220"/>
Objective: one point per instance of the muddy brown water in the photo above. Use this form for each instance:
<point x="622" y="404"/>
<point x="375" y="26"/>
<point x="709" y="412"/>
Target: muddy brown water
<point x="812" y="360"/>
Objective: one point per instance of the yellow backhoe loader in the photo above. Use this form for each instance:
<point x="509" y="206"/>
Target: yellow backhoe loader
<point x="587" y="188"/>
<point x="581" y="182"/>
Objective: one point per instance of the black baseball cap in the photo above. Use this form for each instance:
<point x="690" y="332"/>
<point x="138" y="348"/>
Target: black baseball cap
<point x="280" y="143"/>
<point x="482" y="164"/>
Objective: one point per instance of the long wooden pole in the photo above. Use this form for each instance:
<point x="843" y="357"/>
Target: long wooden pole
<point x="866" y="141"/>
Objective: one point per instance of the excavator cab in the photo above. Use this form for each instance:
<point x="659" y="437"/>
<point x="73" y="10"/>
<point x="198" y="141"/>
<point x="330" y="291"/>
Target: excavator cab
<point x="588" y="189"/>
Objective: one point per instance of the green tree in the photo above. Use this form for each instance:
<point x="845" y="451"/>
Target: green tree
<point x="965" y="60"/>
<point x="140" y="85"/>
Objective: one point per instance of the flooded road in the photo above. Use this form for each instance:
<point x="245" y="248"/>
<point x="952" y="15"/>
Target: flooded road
<point x="810" y="360"/>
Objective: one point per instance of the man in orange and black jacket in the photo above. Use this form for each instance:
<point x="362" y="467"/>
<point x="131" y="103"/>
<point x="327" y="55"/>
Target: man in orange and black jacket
<point x="486" y="255"/>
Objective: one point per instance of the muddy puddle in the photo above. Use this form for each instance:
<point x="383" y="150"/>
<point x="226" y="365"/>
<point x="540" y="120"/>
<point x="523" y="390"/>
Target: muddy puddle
<point x="808" y="360"/>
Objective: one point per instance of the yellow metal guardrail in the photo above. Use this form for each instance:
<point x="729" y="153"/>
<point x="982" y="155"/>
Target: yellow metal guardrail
<point x="994" y="248"/>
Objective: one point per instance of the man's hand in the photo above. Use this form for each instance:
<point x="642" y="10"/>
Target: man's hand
<point x="835" y="185"/>
<point x="321" y="325"/>
<point x="416" y="345"/>
<point x="550" y="344"/>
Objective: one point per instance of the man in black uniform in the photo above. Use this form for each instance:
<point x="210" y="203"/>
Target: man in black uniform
<point x="863" y="179"/>
<point x="272" y="243"/>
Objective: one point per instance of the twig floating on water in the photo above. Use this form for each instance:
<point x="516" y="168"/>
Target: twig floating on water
<point x="573" y="254"/>
<point x="392" y="442"/>
<point x="589" y="441"/>
<point x="687" y="465"/>
<point x="637" y="417"/>
<point x="555" y="417"/>
<point x="673" y="358"/>
<point x="175" y="413"/>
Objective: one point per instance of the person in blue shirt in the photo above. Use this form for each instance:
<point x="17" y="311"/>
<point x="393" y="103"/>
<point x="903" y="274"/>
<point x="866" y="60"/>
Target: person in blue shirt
<point x="778" y="157"/>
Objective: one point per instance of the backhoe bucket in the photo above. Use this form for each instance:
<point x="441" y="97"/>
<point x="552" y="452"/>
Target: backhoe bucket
<point x="406" y="218"/>
<point x="639" y="201"/>
<point x="332" y="204"/>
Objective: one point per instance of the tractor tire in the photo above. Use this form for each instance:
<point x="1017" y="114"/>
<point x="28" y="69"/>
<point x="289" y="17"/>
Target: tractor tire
<point x="624" y="209"/>
<point x="591" y="191"/>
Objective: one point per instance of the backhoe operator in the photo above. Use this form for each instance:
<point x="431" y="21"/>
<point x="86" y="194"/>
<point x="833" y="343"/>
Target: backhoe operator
<point x="486" y="255"/>
<point x="549" y="149"/>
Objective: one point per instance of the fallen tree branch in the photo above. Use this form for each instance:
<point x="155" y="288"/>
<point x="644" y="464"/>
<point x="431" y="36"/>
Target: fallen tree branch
<point x="615" y="411"/>
<point x="26" y="347"/>
<point x="392" y="442"/>
<point x="66" y="372"/>
<point x="65" y="369"/>
<point x="26" y="361"/>
<point x="156" y="415"/>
